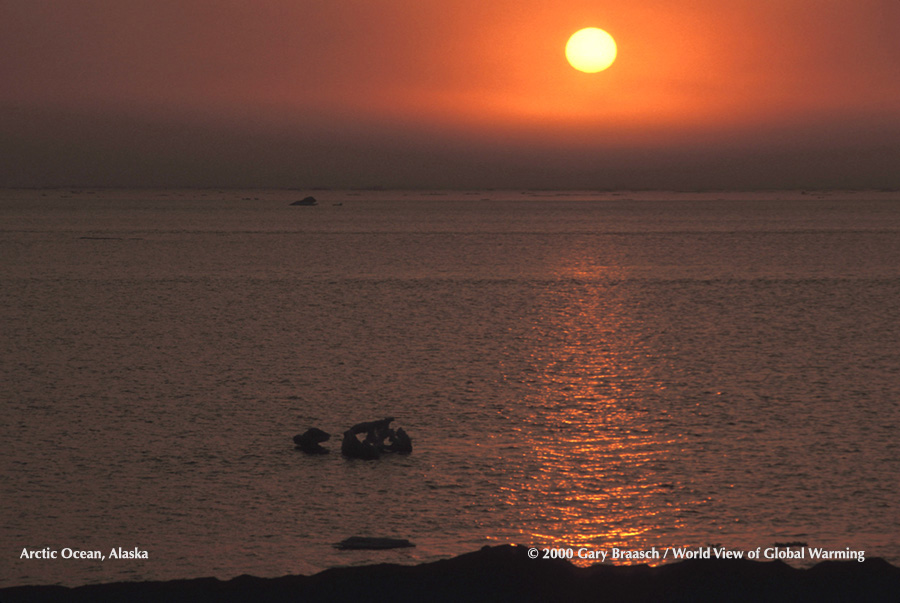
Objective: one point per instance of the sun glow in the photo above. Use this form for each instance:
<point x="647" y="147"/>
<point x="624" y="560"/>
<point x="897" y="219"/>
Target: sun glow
<point x="591" y="50"/>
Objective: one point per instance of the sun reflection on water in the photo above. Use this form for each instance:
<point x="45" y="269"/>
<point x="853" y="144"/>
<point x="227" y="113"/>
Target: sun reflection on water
<point x="599" y="449"/>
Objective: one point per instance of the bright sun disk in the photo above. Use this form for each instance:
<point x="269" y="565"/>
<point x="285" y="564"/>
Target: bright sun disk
<point x="591" y="50"/>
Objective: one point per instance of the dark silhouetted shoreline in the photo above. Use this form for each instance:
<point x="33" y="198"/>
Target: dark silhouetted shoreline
<point x="505" y="573"/>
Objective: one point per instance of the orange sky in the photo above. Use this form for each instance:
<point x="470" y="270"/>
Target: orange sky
<point x="704" y="93"/>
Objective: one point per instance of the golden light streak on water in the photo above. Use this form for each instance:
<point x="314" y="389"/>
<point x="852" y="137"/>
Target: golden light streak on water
<point x="599" y="452"/>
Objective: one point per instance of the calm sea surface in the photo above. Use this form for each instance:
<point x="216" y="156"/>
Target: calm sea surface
<point x="576" y="370"/>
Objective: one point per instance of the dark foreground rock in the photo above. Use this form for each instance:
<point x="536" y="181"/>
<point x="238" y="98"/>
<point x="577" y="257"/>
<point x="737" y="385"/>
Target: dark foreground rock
<point x="506" y="573"/>
<point x="373" y="544"/>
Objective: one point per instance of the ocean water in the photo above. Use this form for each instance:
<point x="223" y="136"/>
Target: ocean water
<point x="575" y="369"/>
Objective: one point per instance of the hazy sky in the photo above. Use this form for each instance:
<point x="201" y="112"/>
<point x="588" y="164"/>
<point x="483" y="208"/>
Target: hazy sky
<point x="457" y="93"/>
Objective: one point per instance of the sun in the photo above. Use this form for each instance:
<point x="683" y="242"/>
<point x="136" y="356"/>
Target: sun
<point x="591" y="50"/>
